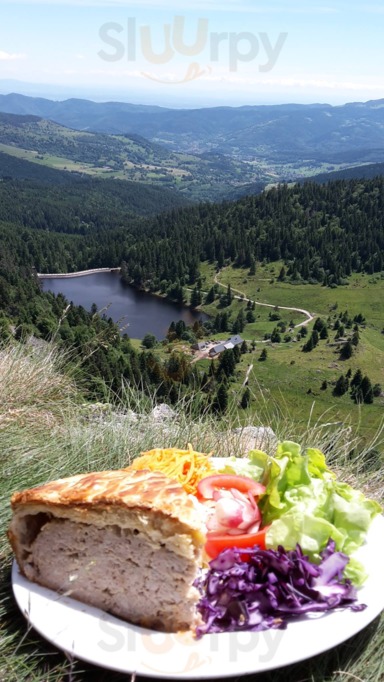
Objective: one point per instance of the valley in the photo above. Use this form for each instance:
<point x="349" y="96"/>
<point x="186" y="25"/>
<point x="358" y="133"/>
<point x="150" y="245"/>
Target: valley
<point x="290" y="256"/>
<point x="208" y="176"/>
<point x="206" y="154"/>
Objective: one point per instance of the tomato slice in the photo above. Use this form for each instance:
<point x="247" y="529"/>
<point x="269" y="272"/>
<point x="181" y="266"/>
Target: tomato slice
<point x="217" y="543"/>
<point x="244" y="484"/>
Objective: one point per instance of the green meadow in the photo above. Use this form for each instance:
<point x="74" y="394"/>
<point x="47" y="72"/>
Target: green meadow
<point x="291" y="382"/>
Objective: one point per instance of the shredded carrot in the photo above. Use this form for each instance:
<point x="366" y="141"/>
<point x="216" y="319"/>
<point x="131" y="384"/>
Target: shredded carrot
<point x="186" y="466"/>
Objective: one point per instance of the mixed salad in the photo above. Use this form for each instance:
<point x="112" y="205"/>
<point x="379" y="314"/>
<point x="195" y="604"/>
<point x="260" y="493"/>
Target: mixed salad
<point x="281" y="536"/>
<point x="304" y="504"/>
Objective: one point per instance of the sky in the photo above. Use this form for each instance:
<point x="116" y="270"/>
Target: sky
<point x="194" y="53"/>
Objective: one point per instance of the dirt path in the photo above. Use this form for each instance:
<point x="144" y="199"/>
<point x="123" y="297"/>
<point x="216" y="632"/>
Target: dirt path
<point x="242" y="296"/>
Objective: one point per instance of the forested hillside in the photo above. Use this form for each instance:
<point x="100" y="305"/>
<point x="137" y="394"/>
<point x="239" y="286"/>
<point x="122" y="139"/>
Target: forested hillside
<point x="107" y="361"/>
<point x="321" y="232"/>
<point x="318" y="234"/>
<point x="13" y="167"/>
<point x="367" y="172"/>
<point x="47" y="137"/>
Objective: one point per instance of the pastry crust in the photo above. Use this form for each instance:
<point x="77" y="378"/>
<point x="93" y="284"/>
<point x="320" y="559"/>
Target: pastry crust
<point x="107" y="538"/>
<point x="118" y="488"/>
<point x="108" y="497"/>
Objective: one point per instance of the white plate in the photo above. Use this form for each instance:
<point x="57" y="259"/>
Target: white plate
<point x="99" y="638"/>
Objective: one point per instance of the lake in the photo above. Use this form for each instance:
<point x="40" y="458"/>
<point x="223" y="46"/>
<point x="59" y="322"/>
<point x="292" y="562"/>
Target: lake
<point x="142" y="312"/>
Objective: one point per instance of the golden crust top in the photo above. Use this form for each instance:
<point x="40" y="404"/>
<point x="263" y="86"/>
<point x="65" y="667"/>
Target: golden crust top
<point x="117" y="488"/>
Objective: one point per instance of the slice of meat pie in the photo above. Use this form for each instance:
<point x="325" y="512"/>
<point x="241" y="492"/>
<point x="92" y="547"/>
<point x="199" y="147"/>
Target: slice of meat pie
<point x="128" y="542"/>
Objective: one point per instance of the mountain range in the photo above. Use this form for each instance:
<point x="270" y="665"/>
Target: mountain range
<point x="206" y="154"/>
<point x="353" y="131"/>
<point x="210" y="175"/>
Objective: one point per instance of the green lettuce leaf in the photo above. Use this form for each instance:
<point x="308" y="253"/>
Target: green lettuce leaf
<point x="304" y="504"/>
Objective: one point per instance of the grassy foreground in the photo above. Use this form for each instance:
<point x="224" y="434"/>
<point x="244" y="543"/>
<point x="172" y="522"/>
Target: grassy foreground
<point x="48" y="431"/>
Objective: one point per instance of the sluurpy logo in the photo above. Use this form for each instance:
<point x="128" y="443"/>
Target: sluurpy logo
<point x="134" y="43"/>
<point x="180" y="653"/>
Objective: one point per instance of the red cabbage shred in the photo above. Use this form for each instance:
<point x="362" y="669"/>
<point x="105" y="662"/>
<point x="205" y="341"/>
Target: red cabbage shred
<point x="255" y="589"/>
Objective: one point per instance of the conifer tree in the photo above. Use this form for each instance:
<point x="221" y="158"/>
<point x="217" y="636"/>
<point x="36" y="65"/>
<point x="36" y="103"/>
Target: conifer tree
<point x="195" y="297"/>
<point x="308" y="346"/>
<point x="221" y="401"/>
<point x="263" y="355"/>
<point x="346" y="350"/>
<point x="210" y="297"/>
<point x="245" y="399"/>
<point x="357" y="378"/>
<point x="341" y="386"/>
<point x="252" y="267"/>
<point x="366" y="390"/>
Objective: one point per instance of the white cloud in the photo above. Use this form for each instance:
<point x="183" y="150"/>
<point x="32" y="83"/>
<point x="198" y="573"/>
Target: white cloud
<point x="10" y="57"/>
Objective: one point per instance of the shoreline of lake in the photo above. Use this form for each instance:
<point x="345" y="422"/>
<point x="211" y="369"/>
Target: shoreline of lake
<point x="144" y="312"/>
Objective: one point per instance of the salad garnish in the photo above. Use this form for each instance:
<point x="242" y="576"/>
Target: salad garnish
<point x="233" y="503"/>
<point x="271" y="588"/>
<point x="187" y="467"/>
<point x="304" y="504"/>
<point x="233" y="517"/>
